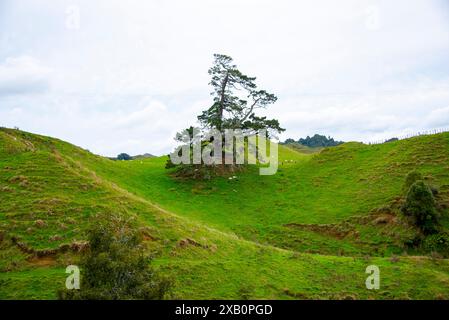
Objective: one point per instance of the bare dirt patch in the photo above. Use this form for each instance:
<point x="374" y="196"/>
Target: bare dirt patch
<point x="146" y="235"/>
<point x="385" y="219"/>
<point x="190" y="242"/>
<point x="45" y="261"/>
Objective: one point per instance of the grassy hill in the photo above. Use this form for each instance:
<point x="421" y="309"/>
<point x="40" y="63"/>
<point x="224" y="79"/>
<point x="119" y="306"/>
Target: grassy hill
<point x="307" y="232"/>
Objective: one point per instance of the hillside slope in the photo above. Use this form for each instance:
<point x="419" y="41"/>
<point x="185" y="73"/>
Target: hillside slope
<point x="218" y="239"/>
<point x="333" y="202"/>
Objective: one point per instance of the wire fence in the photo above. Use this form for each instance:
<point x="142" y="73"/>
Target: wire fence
<point x="411" y="135"/>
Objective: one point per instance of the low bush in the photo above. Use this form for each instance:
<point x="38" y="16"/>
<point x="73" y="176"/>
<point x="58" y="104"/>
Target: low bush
<point x="420" y="206"/>
<point x="114" y="266"/>
<point x="438" y="242"/>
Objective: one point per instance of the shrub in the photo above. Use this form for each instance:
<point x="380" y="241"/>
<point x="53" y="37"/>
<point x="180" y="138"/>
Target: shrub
<point x="413" y="241"/>
<point x="438" y="242"/>
<point x="420" y="205"/>
<point x="114" y="266"/>
<point x="435" y="190"/>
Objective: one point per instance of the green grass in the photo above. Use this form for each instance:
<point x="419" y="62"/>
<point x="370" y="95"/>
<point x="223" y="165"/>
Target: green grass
<point x="326" y="188"/>
<point x="307" y="232"/>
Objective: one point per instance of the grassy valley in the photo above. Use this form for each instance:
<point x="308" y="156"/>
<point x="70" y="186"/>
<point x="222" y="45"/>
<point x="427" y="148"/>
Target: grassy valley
<point x="307" y="232"/>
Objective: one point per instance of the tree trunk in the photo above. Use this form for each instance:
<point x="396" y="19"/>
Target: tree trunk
<point x="223" y="90"/>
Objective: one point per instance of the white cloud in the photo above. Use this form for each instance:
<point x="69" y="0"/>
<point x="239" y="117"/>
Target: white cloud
<point x="438" y="118"/>
<point x="23" y="74"/>
<point x="150" y="127"/>
<point x="368" y="117"/>
<point x="135" y="72"/>
<point x="147" y="115"/>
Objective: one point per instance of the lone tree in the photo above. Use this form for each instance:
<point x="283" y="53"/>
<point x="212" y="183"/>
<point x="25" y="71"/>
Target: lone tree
<point x="236" y="99"/>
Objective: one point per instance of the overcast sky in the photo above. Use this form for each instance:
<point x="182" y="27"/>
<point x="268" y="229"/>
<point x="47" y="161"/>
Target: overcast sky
<point x="124" y="76"/>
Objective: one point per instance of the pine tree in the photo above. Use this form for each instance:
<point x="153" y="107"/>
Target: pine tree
<point x="236" y="111"/>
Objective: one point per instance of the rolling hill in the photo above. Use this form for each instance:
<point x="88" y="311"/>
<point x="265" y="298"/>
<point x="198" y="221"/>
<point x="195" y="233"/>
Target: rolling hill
<point x="307" y="232"/>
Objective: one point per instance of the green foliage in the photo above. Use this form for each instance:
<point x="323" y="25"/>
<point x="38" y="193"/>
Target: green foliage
<point x="229" y="110"/>
<point x="434" y="189"/>
<point x="420" y="205"/>
<point x="319" y="141"/>
<point x="230" y="220"/>
<point x="124" y="156"/>
<point x="115" y="267"/>
<point x="438" y="242"/>
<point x="236" y="99"/>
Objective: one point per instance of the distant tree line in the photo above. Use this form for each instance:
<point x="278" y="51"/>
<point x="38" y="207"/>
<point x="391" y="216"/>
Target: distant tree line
<point x="126" y="157"/>
<point x="316" y="141"/>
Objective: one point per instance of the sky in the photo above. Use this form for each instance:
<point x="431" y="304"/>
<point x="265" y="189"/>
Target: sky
<point x="124" y="76"/>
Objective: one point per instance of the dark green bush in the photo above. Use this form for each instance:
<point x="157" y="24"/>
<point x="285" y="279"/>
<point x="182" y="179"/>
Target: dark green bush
<point x="124" y="156"/>
<point x="420" y="206"/>
<point x="115" y="267"/>
<point x="438" y="242"/>
<point x="435" y="190"/>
